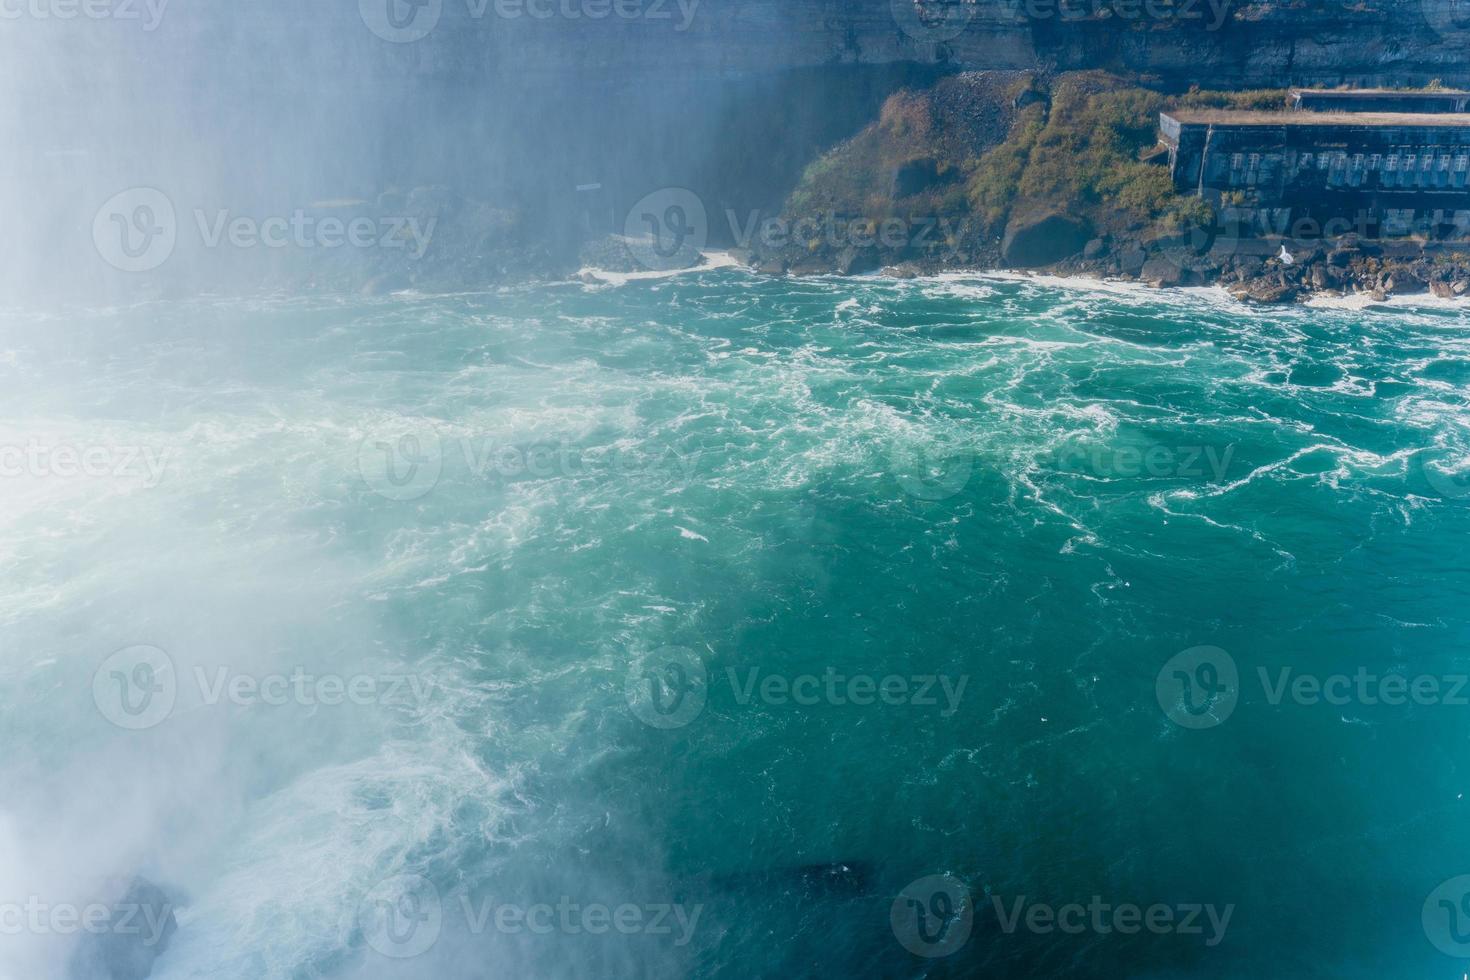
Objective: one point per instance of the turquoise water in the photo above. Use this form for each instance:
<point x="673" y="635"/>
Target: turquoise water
<point x="531" y="501"/>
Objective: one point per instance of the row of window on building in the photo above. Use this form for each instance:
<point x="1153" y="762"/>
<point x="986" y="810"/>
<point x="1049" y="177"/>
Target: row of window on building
<point x="1407" y="167"/>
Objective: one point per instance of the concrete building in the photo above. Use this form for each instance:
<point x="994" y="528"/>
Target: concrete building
<point x="1396" y="169"/>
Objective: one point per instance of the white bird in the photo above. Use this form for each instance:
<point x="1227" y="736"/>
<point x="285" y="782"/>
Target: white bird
<point x="1285" y="256"/>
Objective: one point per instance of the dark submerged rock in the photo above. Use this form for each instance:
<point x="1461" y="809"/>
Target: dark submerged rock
<point x="135" y="935"/>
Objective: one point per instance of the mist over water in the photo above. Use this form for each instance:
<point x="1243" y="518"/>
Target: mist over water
<point x="267" y="110"/>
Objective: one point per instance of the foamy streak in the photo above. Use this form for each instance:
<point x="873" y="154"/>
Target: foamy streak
<point x="712" y="260"/>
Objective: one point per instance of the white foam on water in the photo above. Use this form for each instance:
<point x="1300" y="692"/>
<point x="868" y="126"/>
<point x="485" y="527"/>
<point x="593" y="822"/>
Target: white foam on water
<point x="1358" y="302"/>
<point x="712" y="261"/>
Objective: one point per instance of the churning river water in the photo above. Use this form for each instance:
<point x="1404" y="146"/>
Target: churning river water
<point x="718" y="626"/>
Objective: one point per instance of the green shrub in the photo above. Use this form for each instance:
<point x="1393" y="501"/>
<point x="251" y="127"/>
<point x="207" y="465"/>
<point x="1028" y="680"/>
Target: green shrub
<point x="1081" y="154"/>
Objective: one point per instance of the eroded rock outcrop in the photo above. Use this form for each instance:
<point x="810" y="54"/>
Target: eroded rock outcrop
<point x="136" y="932"/>
<point x="1044" y="238"/>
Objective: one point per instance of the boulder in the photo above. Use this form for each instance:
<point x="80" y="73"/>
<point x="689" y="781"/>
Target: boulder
<point x="1162" y="272"/>
<point x="135" y="935"/>
<point x="915" y="177"/>
<point x="1266" y="291"/>
<point x="1131" y="259"/>
<point x="1459" y="287"/>
<point x="1095" y="249"/>
<point x="1442" y="290"/>
<point x="1402" y="282"/>
<point x="1248" y="266"/>
<point x="814" y="265"/>
<point x="1043" y="239"/>
<point x="855" y="261"/>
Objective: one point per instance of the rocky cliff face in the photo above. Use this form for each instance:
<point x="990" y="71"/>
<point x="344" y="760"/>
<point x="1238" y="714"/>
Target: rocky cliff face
<point x="1219" y="43"/>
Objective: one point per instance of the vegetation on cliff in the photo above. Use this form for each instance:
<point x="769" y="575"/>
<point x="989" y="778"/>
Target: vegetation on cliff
<point x="981" y="148"/>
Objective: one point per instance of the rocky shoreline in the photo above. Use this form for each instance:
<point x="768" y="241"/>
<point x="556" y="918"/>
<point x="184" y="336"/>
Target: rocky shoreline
<point x="1251" y="270"/>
